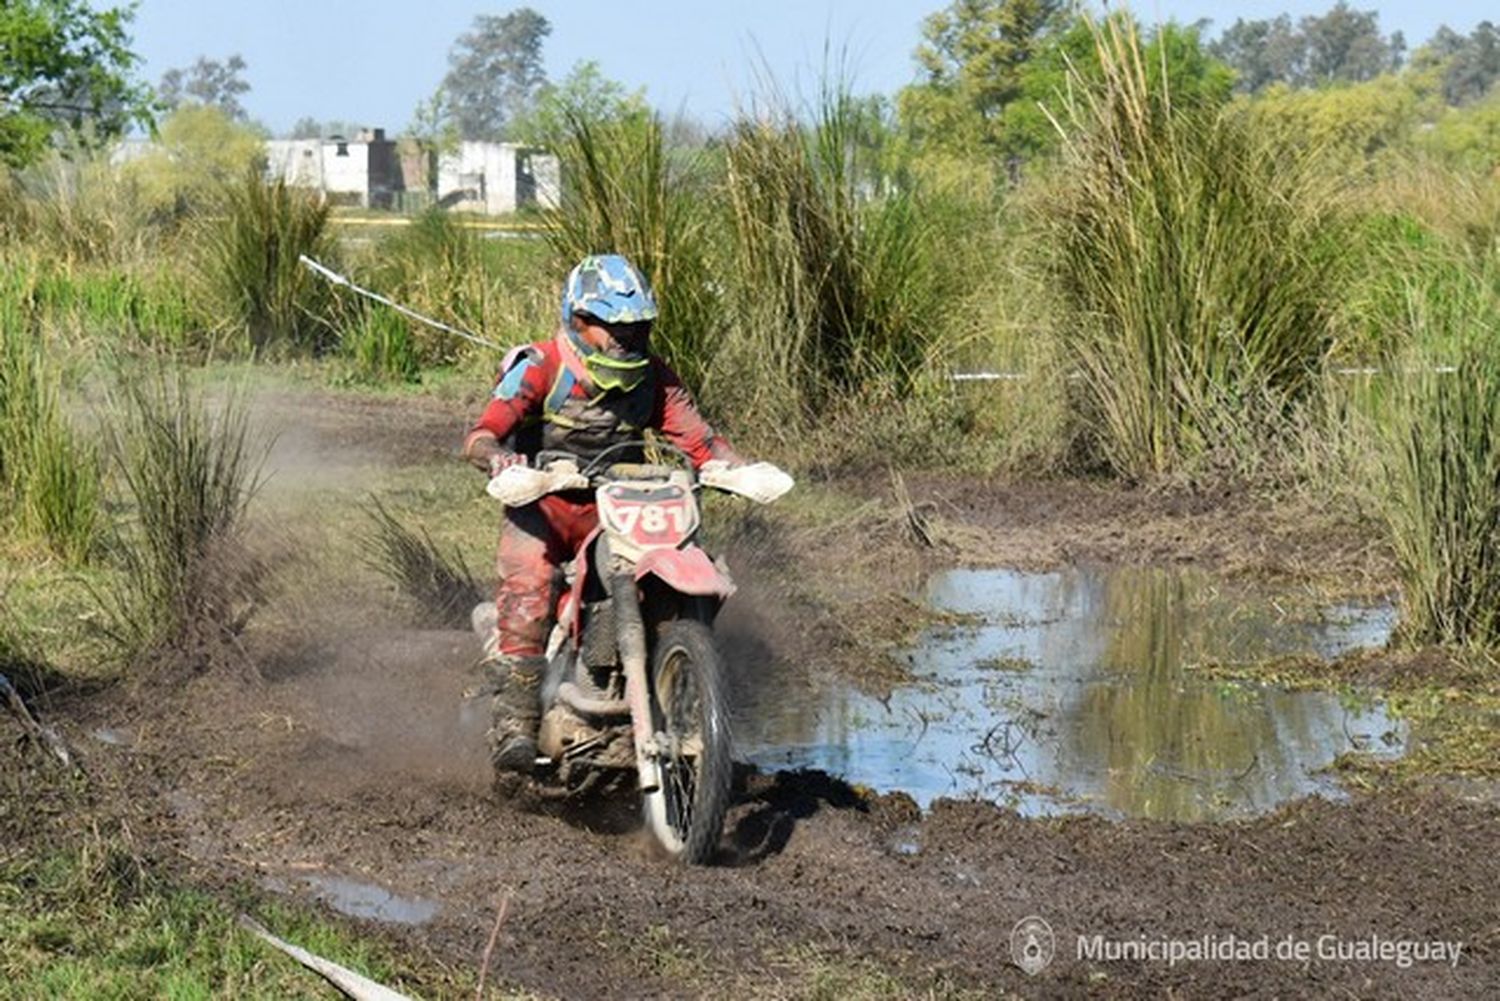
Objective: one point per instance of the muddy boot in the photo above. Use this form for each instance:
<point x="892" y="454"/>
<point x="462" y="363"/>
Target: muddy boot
<point x="515" y="712"/>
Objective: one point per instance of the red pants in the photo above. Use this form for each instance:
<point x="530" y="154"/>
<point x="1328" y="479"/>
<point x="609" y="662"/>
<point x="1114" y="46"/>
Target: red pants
<point x="534" y="542"/>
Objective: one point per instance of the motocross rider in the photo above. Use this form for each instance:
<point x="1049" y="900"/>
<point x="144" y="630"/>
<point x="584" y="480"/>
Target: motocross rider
<point x="594" y="384"/>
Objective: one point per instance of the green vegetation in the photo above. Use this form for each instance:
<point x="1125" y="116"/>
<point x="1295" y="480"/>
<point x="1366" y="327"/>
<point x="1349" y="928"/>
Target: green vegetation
<point x="1438" y="449"/>
<point x="1168" y="250"/>
<point x="190" y="474"/>
<point x="250" y="273"/>
<point x="1195" y="266"/>
<point x="49" y="481"/>
<point x="64" y="65"/>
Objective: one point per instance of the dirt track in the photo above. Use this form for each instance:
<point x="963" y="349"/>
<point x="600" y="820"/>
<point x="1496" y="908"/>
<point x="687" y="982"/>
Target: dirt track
<point x="350" y="756"/>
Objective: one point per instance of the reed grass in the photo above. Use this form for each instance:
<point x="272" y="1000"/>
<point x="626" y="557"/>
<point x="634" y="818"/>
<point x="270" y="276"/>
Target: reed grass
<point x="248" y="273"/>
<point x="835" y="280"/>
<point x="49" y="475"/>
<point x="1197" y="271"/>
<point x="1435" y="457"/>
<point x="627" y="190"/>
<point x="189" y="473"/>
<point x="437" y="580"/>
<point x="380" y="348"/>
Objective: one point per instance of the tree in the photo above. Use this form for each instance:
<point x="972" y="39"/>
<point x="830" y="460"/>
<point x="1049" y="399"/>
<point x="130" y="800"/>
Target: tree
<point x="1261" y="53"/>
<point x="972" y="55"/>
<point x="198" y="150"/>
<point x="1342" y="46"/>
<point x="65" y="67"/>
<point x="308" y="127"/>
<point x="494" y="71"/>
<point x="585" y="92"/>
<point x="209" y="82"/>
<point x="1345" y="45"/>
<point x="1472" y="63"/>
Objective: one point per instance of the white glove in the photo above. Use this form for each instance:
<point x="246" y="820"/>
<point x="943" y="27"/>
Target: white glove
<point x="760" y="481"/>
<point x="518" y="485"/>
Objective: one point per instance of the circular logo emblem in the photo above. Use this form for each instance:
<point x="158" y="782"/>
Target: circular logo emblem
<point x="1032" y="944"/>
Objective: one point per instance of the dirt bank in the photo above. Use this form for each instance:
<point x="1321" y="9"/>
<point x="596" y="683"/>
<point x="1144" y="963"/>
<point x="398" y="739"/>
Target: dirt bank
<point x="347" y="752"/>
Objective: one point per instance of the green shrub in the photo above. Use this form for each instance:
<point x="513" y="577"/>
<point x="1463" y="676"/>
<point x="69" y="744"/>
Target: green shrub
<point x="441" y="268"/>
<point x="835" y="277"/>
<point x="380" y="348"/>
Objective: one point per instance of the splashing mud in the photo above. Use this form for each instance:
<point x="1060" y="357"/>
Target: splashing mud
<point x="1075" y="691"/>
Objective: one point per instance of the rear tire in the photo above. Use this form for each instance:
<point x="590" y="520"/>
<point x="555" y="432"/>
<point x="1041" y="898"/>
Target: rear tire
<point x="687" y="813"/>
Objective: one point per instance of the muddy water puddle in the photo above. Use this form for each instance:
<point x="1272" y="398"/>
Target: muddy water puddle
<point x="1076" y="691"/>
<point x="360" y="899"/>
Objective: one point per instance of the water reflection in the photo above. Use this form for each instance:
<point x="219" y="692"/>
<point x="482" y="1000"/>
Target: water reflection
<point x="1075" y="691"/>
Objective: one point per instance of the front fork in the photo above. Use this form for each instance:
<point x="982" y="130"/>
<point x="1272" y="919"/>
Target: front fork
<point x="630" y="635"/>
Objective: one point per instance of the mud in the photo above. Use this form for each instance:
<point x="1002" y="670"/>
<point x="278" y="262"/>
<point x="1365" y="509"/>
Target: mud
<point x="350" y="762"/>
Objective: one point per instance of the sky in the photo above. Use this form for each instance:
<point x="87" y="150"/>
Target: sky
<point x="371" y="62"/>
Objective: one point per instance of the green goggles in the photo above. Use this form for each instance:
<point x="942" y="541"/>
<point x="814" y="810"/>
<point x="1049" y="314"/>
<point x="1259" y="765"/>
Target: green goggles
<point x="609" y="373"/>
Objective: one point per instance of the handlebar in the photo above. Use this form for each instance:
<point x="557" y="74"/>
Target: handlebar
<point x="621" y="470"/>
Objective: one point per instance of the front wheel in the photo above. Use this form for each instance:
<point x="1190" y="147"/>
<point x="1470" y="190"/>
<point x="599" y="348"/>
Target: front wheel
<point x="692" y="733"/>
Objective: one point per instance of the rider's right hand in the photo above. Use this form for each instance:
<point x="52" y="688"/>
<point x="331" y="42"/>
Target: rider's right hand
<point x="502" y="460"/>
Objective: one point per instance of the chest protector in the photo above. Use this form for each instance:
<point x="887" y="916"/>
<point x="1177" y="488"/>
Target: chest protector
<point x="580" y="419"/>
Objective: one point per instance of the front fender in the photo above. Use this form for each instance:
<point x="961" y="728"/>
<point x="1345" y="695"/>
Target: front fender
<point x="687" y="571"/>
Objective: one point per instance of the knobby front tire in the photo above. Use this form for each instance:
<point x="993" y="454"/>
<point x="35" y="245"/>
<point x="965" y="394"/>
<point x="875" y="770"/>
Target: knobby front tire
<point x="687" y="813"/>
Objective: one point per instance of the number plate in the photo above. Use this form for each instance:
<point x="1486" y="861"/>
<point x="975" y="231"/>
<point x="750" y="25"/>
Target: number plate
<point x="649" y="517"/>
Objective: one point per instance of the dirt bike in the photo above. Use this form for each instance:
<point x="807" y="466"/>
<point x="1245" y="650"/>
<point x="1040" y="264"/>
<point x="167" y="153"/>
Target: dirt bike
<point x="634" y="679"/>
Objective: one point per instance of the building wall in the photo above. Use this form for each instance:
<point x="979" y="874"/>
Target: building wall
<point x="485" y="177"/>
<point x="496" y="178"/>
<point x="298" y="162"/>
<point x="346" y="170"/>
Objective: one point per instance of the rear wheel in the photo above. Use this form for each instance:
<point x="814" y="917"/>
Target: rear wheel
<point x="692" y="733"/>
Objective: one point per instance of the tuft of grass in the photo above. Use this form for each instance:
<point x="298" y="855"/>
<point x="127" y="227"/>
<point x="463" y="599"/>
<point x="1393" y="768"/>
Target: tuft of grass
<point x="49" y="475"/>
<point x="248" y="269"/>
<point x="380" y="348"/>
<point x="190" y="475"/>
<point x="1436" y="457"/>
<point x="1197" y="267"/>
<point x="437" y="580"/>
<point x="90" y="920"/>
<point x="836" y="282"/>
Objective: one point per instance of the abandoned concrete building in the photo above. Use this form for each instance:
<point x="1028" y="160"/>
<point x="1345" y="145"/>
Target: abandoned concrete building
<point x="372" y="171"/>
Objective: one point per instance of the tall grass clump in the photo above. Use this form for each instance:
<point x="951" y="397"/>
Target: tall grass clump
<point x="436" y="579"/>
<point x="260" y="297"/>
<point x="379" y="347"/>
<point x="76" y="209"/>
<point x="627" y="190"/>
<point x="837" y="283"/>
<point x="1195" y="265"/>
<point x="1436" y="458"/>
<point x="441" y="268"/>
<point x="190" y="472"/>
<point x="49" y="475"/>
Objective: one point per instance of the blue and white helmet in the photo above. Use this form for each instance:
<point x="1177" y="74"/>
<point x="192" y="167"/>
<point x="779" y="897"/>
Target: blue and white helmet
<point x="609" y="288"/>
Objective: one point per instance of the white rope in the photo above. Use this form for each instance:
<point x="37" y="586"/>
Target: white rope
<point x="337" y="279"/>
<point x="1022" y="376"/>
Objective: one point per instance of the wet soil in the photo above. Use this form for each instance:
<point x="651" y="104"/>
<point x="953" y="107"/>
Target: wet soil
<point x="348" y="758"/>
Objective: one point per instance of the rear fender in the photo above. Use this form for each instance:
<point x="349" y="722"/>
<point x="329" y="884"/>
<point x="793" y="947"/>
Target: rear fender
<point x="687" y="571"/>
